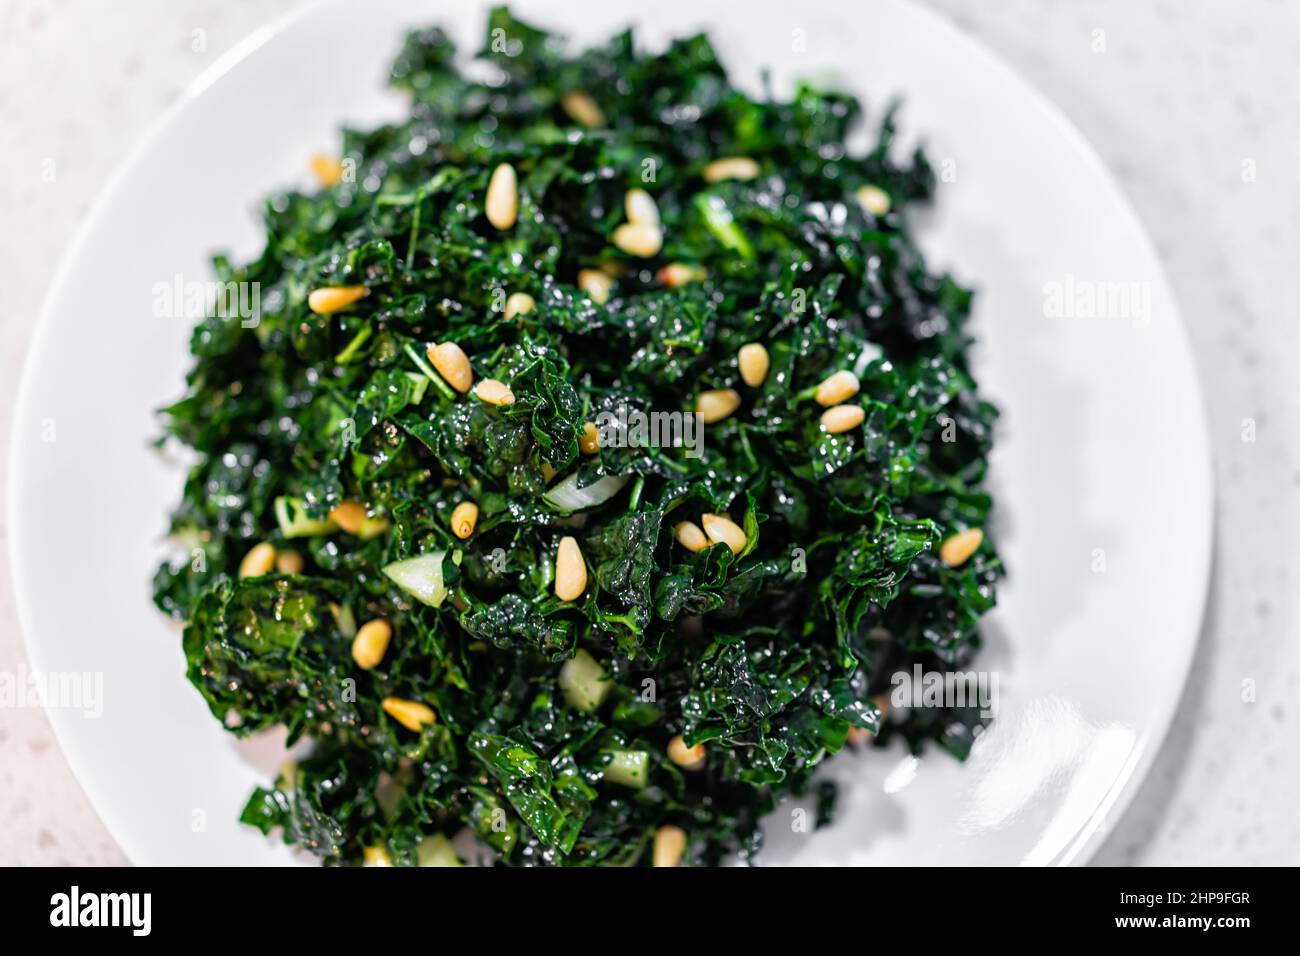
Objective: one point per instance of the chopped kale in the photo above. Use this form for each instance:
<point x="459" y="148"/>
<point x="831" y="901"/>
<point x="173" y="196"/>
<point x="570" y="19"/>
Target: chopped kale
<point x="547" y="727"/>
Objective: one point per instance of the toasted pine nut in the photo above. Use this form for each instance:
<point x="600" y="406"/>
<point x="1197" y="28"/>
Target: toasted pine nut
<point x="841" y="418"/>
<point x="259" y="561"/>
<point x="589" y="440"/>
<point x="637" y="240"/>
<point x="874" y="200"/>
<point x="641" y="208"/>
<point x="754" y="363"/>
<point x="838" y="388"/>
<point x="411" y="714"/>
<point x="349" y="516"/>
<point x="334" y="299"/>
<point x="376" y="856"/>
<point x="328" y="170"/>
<point x="688" y="758"/>
<point x="716" y="404"/>
<point x="730" y="167"/>
<point x="519" y="303"/>
<point x="677" y="274"/>
<point x="463" y="519"/>
<point x="493" y="392"/>
<point x="721" y="528"/>
<point x="570" y="570"/>
<point x="596" y="284"/>
<point x="670" y="844"/>
<point x="289" y="562"/>
<point x="689" y="536"/>
<point x="452" y="364"/>
<point x="582" y="109"/>
<point x="371" y="643"/>
<point x="502" y="202"/>
<point x="956" y="550"/>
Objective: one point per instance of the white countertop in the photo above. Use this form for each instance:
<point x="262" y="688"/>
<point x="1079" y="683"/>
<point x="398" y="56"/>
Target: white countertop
<point x="1191" y="104"/>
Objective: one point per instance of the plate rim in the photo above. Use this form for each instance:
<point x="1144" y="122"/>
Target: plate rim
<point x="1124" y="788"/>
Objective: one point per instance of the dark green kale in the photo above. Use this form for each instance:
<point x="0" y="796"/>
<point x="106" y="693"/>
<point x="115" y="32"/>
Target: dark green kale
<point x="541" y="725"/>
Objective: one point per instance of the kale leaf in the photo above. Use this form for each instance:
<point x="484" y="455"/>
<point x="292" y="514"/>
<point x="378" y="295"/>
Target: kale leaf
<point x="543" y="726"/>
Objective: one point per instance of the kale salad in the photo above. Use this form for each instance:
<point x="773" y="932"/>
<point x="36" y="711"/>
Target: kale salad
<point x="601" y="448"/>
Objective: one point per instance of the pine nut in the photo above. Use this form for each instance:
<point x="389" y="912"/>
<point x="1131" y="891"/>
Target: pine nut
<point x="452" y="364"/>
<point x="688" y="758"/>
<point x="289" y="562"/>
<point x="730" y="167"/>
<point x="754" y="363"/>
<point x="520" y="303"/>
<point x="641" y="208"/>
<point x="502" y="203"/>
<point x="259" y="561"/>
<point x="841" y="418"/>
<point x="670" y="844"/>
<point x="570" y="570"/>
<point x="840" y="387"/>
<point x="716" y="404"/>
<point x="589" y="440"/>
<point x="636" y="240"/>
<point x="411" y="714"/>
<point x="493" y="392"/>
<point x="371" y="643"/>
<point x="582" y="109"/>
<point x="677" y="274"/>
<point x="720" y="528"/>
<point x="334" y="299"/>
<point x="329" y="171"/>
<point x="376" y="856"/>
<point x="956" y="550"/>
<point x="689" y="536"/>
<point x="349" y="515"/>
<point x="463" y="519"/>
<point x="596" y="284"/>
<point x="874" y="200"/>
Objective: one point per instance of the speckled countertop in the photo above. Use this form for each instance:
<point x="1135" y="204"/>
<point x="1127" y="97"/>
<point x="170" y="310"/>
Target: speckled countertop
<point x="1191" y="104"/>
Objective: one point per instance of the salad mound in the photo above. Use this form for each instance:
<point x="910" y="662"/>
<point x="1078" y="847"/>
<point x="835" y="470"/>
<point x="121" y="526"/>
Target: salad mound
<point x="600" y="450"/>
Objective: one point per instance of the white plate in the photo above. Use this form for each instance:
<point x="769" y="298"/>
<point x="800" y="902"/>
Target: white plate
<point x="1101" y="456"/>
